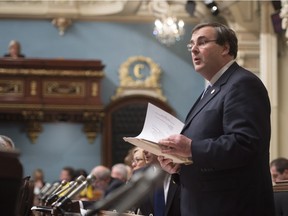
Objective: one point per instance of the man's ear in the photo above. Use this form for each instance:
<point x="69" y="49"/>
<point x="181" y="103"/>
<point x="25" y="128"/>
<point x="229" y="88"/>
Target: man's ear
<point x="226" y="49"/>
<point x="285" y="174"/>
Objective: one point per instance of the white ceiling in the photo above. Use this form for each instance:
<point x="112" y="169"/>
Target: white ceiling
<point x="132" y="10"/>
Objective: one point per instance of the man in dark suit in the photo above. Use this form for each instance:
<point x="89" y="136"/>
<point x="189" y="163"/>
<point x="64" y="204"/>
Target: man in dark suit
<point x="226" y="134"/>
<point x="279" y="174"/>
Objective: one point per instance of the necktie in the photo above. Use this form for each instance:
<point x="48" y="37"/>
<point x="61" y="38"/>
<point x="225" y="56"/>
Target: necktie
<point x="206" y="90"/>
<point x="159" y="202"/>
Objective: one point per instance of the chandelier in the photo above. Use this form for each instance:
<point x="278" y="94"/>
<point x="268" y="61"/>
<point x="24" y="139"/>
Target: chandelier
<point x="284" y="15"/>
<point x="168" y="30"/>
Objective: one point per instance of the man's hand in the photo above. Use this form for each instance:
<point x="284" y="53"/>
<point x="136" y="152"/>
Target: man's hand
<point x="168" y="165"/>
<point x="177" y="144"/>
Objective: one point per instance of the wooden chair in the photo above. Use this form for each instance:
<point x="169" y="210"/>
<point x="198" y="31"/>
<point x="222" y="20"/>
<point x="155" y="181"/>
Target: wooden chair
<point x="11" y="172"/>
<point x="25" y="197"/>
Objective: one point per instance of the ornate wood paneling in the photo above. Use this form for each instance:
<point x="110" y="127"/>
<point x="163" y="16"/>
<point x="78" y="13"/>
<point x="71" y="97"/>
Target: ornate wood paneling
<point x="46" y="90"/>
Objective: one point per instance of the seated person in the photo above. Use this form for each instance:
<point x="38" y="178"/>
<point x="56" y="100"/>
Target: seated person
<point x="14" y="50"/>
<point x="138" y="159"/>
<point x="67" y="173"/>
<point x="119" y="171"/>
<point x="39" y="183"/>
<point x="279" y="175"/>
<point x="279" y="169"/>
<point x="102" y="186"/>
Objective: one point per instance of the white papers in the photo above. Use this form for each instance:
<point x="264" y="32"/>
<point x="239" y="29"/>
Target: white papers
<point x="159" y="124"/>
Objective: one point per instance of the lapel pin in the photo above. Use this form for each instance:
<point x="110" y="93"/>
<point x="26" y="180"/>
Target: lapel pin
<point x="212" y="91"/>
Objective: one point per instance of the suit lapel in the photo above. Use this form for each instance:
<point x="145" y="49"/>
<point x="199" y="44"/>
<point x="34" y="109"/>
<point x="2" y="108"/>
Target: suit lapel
<point x="194" y="105"/>
<point x="170" y="195"/>
<point x="200" y="104"/>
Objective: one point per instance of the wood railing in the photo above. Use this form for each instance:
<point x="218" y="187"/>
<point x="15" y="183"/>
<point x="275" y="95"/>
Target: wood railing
<point x="46" y="90"/>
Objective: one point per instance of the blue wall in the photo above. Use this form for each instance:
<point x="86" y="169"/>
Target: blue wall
<point x="62" y="144"/>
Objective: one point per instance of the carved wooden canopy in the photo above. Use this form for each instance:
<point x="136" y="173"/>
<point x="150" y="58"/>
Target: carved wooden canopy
<point x="46" y="90"/>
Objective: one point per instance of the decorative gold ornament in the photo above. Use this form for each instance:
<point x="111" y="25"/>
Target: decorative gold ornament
<point x="139" y="75"/>
<point x="62" y="24"/>
<point x="33" y="127"/>
<point x="92" y="125"/>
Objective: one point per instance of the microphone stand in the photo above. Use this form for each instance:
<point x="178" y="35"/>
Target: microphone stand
<point x="65" y="203"/>
<point x="59" y="207"/>
<point x="124" y="197"/>
<point x="54" y="196"/>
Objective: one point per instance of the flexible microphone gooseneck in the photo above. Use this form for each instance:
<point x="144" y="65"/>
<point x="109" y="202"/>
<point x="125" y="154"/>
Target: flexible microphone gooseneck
<point x="124" y="197"/>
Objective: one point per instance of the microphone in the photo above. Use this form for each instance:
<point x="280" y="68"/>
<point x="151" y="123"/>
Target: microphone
<point x="69" y="189"/>
<point x="71" y="183"/>
<point x="78" y="181"/>
<point x="44" y="189"/>
<point x="54" y="195"/>
<point x="90" y="178"/>
<point x="49" y="191"/>
<point x="63" y="183"/>
<point x="123" y="198"/>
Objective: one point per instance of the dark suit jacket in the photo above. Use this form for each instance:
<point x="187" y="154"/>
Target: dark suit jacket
<point x="230" y="132"/>
<point x="281" y="203"/>
<point x="114" y="184"/>
<point x="172" y="207"/>
<point x="173" y="200"/>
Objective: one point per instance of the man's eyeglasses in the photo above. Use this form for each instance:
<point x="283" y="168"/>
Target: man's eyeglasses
<point x="199" y="43"/>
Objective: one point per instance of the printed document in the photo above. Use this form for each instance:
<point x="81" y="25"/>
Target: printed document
<point x="158" y="125"/>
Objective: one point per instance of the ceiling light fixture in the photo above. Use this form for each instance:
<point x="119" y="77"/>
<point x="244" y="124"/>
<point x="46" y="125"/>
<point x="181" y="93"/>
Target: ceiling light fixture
<point x="212" y="6"/>
<point x="167" y="28"/>
<point x="284" y="15"/>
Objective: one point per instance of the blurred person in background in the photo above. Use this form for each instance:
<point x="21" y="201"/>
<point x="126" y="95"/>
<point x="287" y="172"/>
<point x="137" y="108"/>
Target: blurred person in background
<point x="67" y="173"/>
<point x="279" y="169"/>
<point x="119" y="171"/>
<point x="14" y="50"/>
<point x="279" y="175"/>
<point x="138" y="159"/>
<point x="39" y="182"/>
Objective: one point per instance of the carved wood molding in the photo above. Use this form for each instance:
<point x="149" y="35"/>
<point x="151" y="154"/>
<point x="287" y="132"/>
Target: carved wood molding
<point x="34" y="91"/>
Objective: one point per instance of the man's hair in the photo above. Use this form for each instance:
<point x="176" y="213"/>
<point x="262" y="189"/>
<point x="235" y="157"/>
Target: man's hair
<point x="70" y="170"/>
<point x="121" y="169"/>
<point x="281" y="164"/>
<point x="6" y="143"/>
<point x="224" y="35"/>
<point x="14" y="42"/>
<point x="101" y="172"/>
